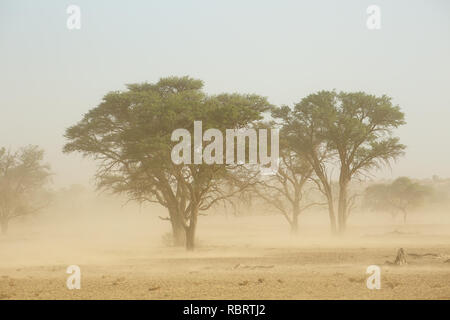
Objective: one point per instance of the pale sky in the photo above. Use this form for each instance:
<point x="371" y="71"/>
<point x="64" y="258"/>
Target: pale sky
<point x="50" y="76"/>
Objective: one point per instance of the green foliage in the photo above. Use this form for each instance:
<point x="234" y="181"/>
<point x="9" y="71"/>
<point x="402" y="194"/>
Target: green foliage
<point x="353" y="131"/>
<point x="130" y="134"/>
<point x="357" y="126"/>
<point x="22" y="175"/>
<point x="401" y="196"/>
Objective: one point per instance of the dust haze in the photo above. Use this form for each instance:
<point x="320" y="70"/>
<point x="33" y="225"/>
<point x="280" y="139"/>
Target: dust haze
<point x="232" y="150"/>
<point x="125" y="252"/>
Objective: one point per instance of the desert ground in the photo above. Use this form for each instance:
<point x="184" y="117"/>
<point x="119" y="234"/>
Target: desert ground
<point x="126" y="256"/>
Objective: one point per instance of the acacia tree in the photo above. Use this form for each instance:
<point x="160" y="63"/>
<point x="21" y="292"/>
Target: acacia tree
<point x="401" y="196"/>
<point x="130" y="134"/>
<point x="353" y="129"/>
<point x="300" y="130"/>
<point x="22" y="176"/>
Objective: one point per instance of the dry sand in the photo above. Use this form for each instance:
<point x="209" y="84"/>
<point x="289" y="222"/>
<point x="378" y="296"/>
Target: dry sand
<point x="236" y="258"/>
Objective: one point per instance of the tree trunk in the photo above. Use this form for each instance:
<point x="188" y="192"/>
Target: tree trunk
<point x="342" y="206"/>
<point x="4" y="226"/>
<point x="178" y="231"/>
<point x="332" y="219"/>
<point x="404" y="216"/>
<point x="190" y="238"/>
<point x="294" y="224"/>
<point x="190" y="230"/>
<point x="331" y="213"/>
<point x="329" y="195"/>
<point x="295" y="214"/>
<point x="326" y="189"/>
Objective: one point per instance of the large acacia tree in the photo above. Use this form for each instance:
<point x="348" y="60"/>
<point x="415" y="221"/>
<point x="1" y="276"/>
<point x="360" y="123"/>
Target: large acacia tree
<point x="352" y="132"/>
<point x="130" y="134"/>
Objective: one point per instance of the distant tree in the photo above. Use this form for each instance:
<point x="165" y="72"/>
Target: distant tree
<point x="130" y="134"/>
<point x="22" y="176"/>
<point x="401" y="196"/>
<point x="351" y="130"/>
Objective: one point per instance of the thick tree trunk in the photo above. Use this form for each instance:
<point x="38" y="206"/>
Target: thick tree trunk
<point x="179" y="233"/>
<point x="178" y="230"/>
<point x="331" y="214"/>
<point x="190" y="238"/>
<point x="342" y="206"/>
<point x="295" y="214"/>
<point x="318" y="169"/>
<point x="4" y="226"/>
<point x="332" y="219"/>
<point x="294" y="224"/>
<point x="190" y="230"/>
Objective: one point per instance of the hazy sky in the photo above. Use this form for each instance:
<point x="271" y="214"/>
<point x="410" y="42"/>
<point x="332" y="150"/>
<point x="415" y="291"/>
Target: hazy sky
<point x="50" y="76"/>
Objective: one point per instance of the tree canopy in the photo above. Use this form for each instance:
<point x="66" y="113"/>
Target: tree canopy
<point x="401" y="196"/>
<point x="22" y="175"/>
<point x="130" y="134"/>
<point x="348" y="131"/>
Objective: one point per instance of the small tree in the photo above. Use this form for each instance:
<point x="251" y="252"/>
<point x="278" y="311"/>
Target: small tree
<point x="22" y="176"/>
<point x="401" y="196"/>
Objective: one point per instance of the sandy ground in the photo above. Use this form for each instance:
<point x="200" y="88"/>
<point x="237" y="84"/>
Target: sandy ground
<point x="235" y="259"/>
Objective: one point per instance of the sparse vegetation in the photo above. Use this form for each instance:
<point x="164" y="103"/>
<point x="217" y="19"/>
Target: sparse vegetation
<point x="23" y="174"/>
<point x="401" y="196"/>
